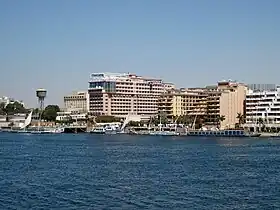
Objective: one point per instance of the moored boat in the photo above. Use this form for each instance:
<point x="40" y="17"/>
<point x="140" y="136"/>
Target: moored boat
<point x="222" y="133"/>
<point x="163" y="133"/>
<point x="43" y="130"/>
<point x="105" y="130"/>
<point x="98" y="130"/>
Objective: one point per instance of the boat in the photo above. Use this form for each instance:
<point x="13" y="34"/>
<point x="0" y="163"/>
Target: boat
<point x="98" y="130"/>
<point x="275" y="135"/>
<point x="105" y="130"/>
<point x="163" y="133"/>
<point x="22" y="128"/>
<point x="43" y="130"/>
<point x="222" y="133"/>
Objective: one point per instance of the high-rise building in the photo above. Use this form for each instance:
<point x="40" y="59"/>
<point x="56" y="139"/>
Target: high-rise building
<point x="120" y="94"/>
<point x="76" y="102"/>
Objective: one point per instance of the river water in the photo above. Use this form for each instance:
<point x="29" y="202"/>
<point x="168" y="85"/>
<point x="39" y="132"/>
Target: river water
<point x="81" y="171"/>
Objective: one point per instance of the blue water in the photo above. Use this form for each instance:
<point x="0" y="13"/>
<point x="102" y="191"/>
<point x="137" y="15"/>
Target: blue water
<point x="138" y="172"/>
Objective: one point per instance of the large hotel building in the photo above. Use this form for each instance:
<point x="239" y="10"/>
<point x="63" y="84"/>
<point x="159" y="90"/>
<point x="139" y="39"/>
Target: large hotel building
<point x="210" y="103"/>
<point x="120" y="94"/>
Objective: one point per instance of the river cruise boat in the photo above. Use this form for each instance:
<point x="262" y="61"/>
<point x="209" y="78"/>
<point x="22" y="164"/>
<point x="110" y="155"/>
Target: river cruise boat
<point x="222" y="133"/>
<point x="105" y="130"/>
<point x="163" y="133"/>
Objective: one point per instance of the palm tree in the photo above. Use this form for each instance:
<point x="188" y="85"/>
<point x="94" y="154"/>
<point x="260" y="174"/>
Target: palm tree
<point x="241" y="119"/>
<point x="184" y="119"/>
<point x="261" y="123"/>
<point x="220" y="119"/>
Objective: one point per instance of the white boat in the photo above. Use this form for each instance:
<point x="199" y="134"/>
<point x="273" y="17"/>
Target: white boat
<point x="22" y="128"/>
<point x="98" y="130"/>
<point x="163" y="133"/>
<point x="48" y="131"/>
<point x="41" y="132"/>
<point x="105" y="130"/>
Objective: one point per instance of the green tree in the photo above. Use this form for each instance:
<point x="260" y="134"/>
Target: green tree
<point x="241" y="119"/>
<point x="200" y="121"/>
<point x="261" y="124"/>
<point x="2" y="109"/>
<point x="106" y="119"/>
<point x="50" y="112"/>
<point x="162" y="117"/>
<point x="184" y="119"/>
<point x="14" y="108"/>
<point x="135" y="124"/>
<point x="220" y="119"/>
<point x="153" y="120"/>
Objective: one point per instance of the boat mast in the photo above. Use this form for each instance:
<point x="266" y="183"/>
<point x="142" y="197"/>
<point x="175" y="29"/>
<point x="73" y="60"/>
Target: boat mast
<point x="159" y="122"/>
<point x="193" y="125"/>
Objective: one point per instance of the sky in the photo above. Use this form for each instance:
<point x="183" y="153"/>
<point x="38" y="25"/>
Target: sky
<point x="56" y="44"/>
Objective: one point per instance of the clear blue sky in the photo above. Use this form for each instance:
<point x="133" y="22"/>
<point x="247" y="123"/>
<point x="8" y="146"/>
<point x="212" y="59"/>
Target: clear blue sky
<point x="56" y="44"/>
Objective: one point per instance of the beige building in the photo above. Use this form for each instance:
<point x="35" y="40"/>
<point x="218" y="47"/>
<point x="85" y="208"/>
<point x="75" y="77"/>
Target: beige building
<point x="228" y="100"/>
<point x="76" y="102"/>
<point x="210" y="103"/>
<point x="120" y="94"/>
<point x="183" y="102"/>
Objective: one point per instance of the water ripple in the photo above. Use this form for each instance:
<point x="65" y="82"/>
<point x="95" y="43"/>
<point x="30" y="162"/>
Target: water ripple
<point x="131" y="172"/>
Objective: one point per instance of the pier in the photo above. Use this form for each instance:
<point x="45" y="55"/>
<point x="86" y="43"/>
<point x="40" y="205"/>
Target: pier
<point x="75" y="129"/>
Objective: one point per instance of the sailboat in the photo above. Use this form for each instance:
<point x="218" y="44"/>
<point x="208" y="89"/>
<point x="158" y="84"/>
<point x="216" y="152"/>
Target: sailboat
<point x="161" y="132"/>
<point x="22" y="128"/>
<point x="43" y="130"/>
<point x="26" y="123"/>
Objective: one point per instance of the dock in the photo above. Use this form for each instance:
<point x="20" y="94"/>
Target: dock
<point x="76" y="129"/>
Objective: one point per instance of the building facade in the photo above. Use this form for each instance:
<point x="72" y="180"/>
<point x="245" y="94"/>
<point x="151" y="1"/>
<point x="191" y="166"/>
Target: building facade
<point x="210" y="103"/>
<point x="232" y="96"/>
<point x="191" y="102"/>
<point x="120" y="94"/>
<point x="77" y="101"/>
<point x="263" y="106"/>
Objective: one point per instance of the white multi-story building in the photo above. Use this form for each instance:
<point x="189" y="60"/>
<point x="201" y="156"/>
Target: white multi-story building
<point x="264" y="105"/>
<point x="120" y="94"/>
<point x="77" y="102"/>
